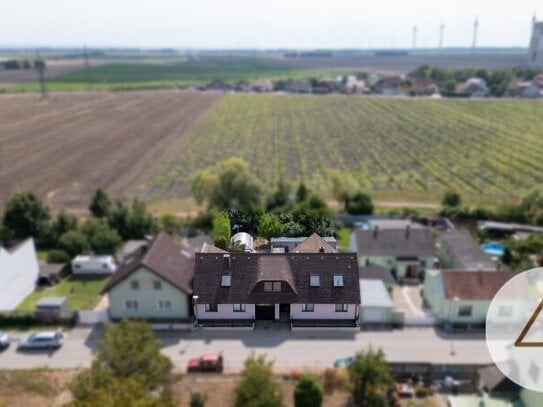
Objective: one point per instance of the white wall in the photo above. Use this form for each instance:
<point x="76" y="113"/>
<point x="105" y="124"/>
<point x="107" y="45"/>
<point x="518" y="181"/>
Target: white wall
<point x="18" y="274"/>
<point x="323" y="311"/>
<point x="225" y="311"/>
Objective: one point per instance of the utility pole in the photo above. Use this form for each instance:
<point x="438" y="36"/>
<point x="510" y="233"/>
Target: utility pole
<point x="441" y="35"/>
<point x="475" y="30"/>
<point x="414" y="36"/>
<point x="39" y="64"/>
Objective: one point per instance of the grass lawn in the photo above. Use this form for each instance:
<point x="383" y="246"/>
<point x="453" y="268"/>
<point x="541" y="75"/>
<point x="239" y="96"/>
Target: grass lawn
<point x="82" y="293"/>
<point x="344" y="239"/>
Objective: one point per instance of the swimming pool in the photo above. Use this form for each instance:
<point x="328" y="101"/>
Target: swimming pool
<point x="493" y="248"/>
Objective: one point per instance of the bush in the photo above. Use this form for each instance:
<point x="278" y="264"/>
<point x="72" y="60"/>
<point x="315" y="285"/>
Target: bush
<point x="18" y="320"/>
<point x="422" y="391"/>
<point x="308" y="392"/>
<point x="197" y="400"/>
<point x="335" y="379"/>
<point x="257" y="387"/>
<point x="58" y="256"/>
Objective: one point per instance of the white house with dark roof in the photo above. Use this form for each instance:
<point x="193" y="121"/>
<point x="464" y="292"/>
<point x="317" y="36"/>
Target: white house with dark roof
<point x="154" y="282"/>
<point x="406" y="252"/>
<point x="305" y="289"/>
<point x="19" y="271"/>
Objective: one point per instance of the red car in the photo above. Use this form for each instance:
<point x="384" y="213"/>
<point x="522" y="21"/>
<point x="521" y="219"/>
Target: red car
<point x="212" y="362"/>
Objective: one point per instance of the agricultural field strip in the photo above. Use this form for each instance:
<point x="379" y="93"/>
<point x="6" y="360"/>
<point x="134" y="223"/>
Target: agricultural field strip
<point x="489" y="147"/>
<point x="111" y="145"/>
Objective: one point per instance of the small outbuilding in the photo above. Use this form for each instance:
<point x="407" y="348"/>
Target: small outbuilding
<point x="376" y="304"/>
<point x="93" y="265"/>
<point x="52" y="309"/>
<point x="52" y="273"/>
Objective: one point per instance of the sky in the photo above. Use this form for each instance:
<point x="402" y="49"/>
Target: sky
<point x="264" y="23"/>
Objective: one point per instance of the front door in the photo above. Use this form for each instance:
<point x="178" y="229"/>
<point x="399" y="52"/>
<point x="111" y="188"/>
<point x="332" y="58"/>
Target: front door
<point x="265" y="312"/>
<point x="284" y="311"/>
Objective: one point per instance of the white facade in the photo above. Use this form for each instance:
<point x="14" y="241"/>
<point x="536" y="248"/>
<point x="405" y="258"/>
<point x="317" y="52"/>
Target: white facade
<point x="18" y="274"/>
<point x="90" y="265"/>
<point x="323" y="311"/>
<point x="225" y="311"/>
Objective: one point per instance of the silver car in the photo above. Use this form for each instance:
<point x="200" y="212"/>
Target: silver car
<point x="41" y="340"/>
<point x="4" y="340"/>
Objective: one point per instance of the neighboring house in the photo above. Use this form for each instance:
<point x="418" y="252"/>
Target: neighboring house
<point x="354" y="85"/>
<point x="309" y="289"/>
<point x="474" y="87"/>
<point x="18" y="273"/>
<point x="209" y="248"/>
<point x="494" y="383"/>
<point x="93" y="265"/>
<point x="500" y="230"/>
<point x="463" y="297"/>
<point x="261" y="85"/>
<point x="154" y="282"/>
<point x="377" y="273"/>
<point x="311" y="244"/>
<point x="389" y="223"/>
<point x="407" y="252"/>
<point x="377" y="306"/>
<point x="458" y="250"/>
<point x="129" y="247"/>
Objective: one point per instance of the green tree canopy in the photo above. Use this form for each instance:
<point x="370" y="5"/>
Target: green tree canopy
<point x="269" y="226"/>
<point x="257" y="387"/>
<point x="26" y="216"/>
<point x="132" y="222"/>
<point x="308" y="392"/>
<point x="301" y="193"/>
<point x="360" y="204"/>
<point x="229" y="185"/>
<point x="451" y="199"/>
<point x="101" y="204"/>
<point x="343" y="186"/>
<point x="129" y="350"/>
<point x="74" y="243"/>
<point x="221" y="229"/>
<point x="102" y="238"/>
<point x="371" y="379"/>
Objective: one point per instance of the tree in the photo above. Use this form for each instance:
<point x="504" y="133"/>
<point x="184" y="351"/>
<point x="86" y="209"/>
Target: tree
<point x="197" y="400"/>
<point x="221" y="230"/>
<point x="63" y="223"/>
<point x="360" y="204"/>
<point x="25" y="216"/>
<point x="102" y="239"/>
<point x="101" y="204"/>
<point x="343" y="186"/>
<point x="308" y="392"/>
<point x="269" y="226"/>
<point x="58" y="256"/>
<point x="257" y="387"/>
<point x="169" y="223"/>
<point x="293" y="229"/>
<point x="301" y="193"/>
<point x="371" y="379"/>
<point x="229" y="185"/>
<point x="280" y="197"/>
<point x="74" y="243"/>
<point x="451" y="199"/>
<point x="132" y="222"/>
<point x="130" y="350"/>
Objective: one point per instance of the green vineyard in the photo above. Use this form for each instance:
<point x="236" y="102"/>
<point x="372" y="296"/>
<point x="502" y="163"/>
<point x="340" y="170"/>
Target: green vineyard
<point x="397" y="149"/>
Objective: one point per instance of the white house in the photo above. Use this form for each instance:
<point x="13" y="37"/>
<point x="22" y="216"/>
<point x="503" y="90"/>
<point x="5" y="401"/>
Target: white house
<point x="18" y="273"/>
<point x="93" y="265"/>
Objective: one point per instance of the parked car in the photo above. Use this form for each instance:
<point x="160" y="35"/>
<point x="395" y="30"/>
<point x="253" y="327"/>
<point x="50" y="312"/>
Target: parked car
<point x="347" y="362"/>
<point x="41" y="340"/>
<point x="4" y="340"/>
<point x="212" y="362"/>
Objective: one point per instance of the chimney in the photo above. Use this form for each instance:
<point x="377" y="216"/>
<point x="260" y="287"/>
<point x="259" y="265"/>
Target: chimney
<point x="321" y="249"/>
<point x="407" y="231"/>
<point x="226" y="262"/>
<point x="375" y="232"/>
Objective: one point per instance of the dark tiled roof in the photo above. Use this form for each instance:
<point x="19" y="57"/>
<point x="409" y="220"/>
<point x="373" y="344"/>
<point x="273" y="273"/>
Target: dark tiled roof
<point x="494" y="381"/>
<point x="313" y="244"/>
<point x="474" y="285"/>
<point x="376" y="273"/>
<point x="165" y="257"/>
<point x="406" y="242"/>
<point x="293" y="269"/>
<point x="465" y="251"/>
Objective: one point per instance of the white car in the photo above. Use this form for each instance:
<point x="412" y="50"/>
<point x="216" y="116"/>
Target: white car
<point x="4" y="340"/>
<point x="41" y="340"/>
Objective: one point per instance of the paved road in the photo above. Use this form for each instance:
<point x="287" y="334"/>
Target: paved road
<point x="288" y="349"/>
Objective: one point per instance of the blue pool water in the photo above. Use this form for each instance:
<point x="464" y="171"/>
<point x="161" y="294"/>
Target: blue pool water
<point x="493" y="248"/>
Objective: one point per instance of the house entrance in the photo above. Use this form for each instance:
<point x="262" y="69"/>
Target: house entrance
<point x="265" y="312"/>
<point x="284" y="311"/>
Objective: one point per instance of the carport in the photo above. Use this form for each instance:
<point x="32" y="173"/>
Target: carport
<point x="376" y="305"/>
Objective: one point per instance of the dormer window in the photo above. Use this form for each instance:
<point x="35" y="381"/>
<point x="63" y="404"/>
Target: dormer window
<point x="226" y="281"/>
<point x="314" y="281"/>
<point x="272" y="286"/>
<point x="338" y="281"/>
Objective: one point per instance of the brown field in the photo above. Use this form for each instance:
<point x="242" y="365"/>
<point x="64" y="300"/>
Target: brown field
<point x="67" y="145"/>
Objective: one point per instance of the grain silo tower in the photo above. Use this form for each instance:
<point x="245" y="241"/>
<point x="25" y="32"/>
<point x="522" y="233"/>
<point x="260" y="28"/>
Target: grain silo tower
<point x="535" y="52"/>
